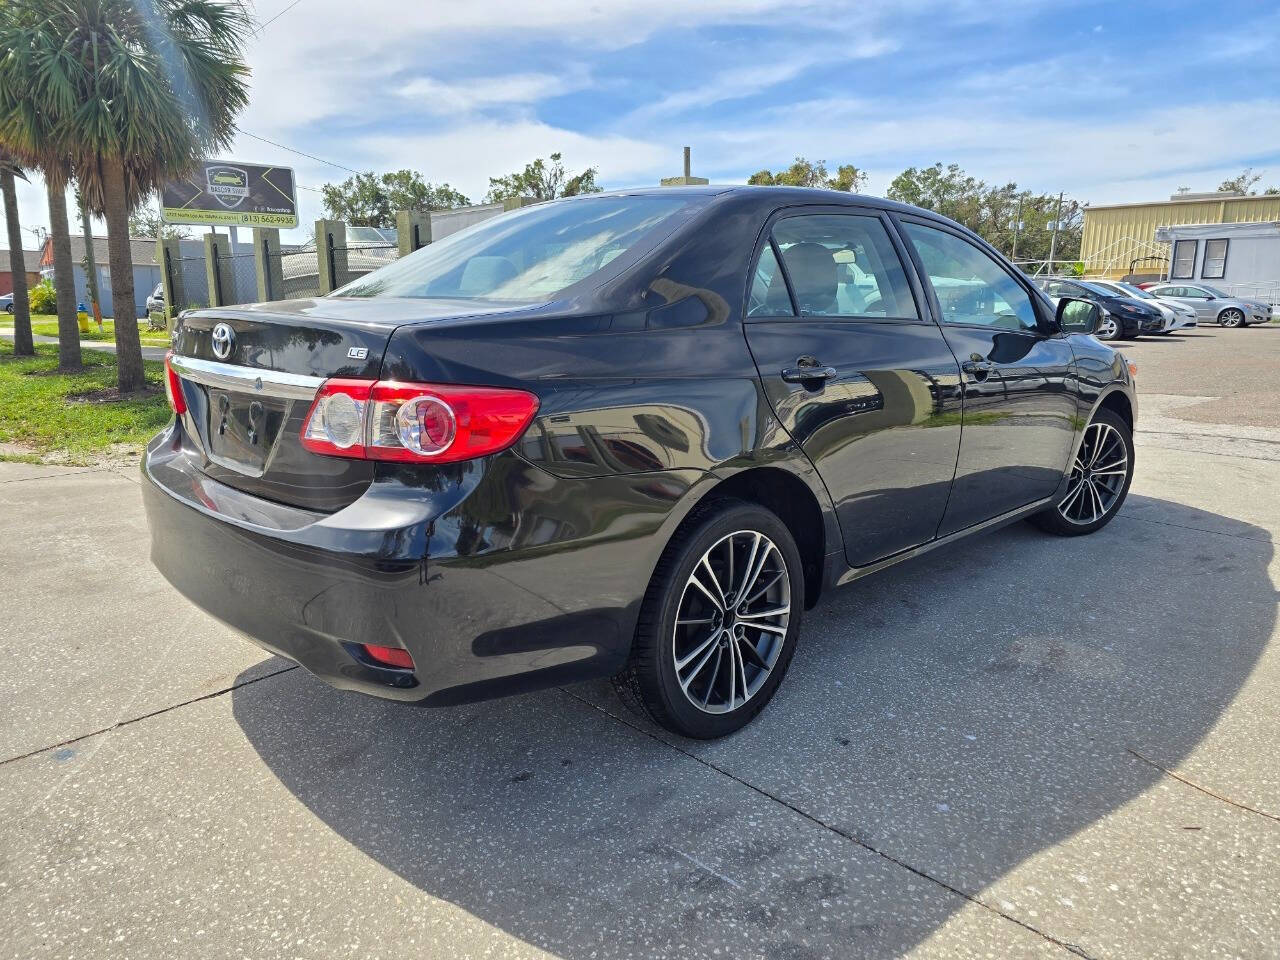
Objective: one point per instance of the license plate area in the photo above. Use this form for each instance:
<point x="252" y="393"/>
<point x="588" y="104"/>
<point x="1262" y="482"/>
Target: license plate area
<point x="243" y="429"/>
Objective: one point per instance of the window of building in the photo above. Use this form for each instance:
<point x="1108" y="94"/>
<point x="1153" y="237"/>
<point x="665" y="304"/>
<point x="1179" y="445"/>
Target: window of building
<point x="1215" y="260"/>
<point x="1184" y="260"/>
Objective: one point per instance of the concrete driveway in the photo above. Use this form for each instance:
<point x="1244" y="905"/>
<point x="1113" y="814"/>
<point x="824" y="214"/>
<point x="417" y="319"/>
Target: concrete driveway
<point x="1021" y="746"/>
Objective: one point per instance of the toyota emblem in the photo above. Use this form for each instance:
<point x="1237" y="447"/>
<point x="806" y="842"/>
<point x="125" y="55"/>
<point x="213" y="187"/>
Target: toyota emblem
<point x="224" y="340"/>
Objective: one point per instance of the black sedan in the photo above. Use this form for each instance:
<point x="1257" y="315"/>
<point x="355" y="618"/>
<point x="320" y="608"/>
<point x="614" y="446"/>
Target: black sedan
<point x="1121" y="317"/>
<point x="630" y="435"/>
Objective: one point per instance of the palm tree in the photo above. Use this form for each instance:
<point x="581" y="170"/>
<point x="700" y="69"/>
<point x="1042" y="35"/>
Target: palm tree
<point x="28" y="132"/>
<point x="141" y="90"/>
<point x="23" y="345"/>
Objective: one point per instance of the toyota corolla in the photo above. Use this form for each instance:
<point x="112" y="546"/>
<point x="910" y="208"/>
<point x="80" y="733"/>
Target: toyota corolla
<point x="627" y="435"/>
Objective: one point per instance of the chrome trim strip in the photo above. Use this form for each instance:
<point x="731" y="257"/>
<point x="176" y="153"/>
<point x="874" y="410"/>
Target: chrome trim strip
<point x="229" y="376"/>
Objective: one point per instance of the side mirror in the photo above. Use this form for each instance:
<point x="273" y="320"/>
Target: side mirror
<point x="1077" y="316"/>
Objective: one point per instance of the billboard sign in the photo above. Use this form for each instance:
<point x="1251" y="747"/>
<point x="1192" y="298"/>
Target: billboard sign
<point x="232" y="194"/>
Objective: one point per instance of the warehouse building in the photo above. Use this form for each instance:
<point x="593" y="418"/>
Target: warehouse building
<point x="1119" y="240"/>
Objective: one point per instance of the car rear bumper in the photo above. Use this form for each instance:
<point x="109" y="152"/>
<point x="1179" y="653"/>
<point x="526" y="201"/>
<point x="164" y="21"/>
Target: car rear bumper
<point x="434" y="568"/>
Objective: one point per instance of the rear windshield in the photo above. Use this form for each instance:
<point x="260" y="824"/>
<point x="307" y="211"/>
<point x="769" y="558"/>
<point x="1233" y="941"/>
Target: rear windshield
<point x="530" y="254"/>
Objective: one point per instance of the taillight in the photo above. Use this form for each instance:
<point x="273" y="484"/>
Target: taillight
<point x="173" y="386"/>
<point x="414" y="422"/>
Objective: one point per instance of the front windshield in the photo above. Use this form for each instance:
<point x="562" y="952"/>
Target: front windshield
<point x="530" y="254"/>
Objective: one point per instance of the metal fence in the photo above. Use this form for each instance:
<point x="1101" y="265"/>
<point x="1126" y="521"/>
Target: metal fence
<point x="237" y="278"/>
<point x="300" y="271"/>
<point x="361" y="259"/>
<point x="195" y="283"/>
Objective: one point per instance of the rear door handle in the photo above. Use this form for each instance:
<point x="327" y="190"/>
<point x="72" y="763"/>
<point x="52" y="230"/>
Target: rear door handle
<point x="978" y="369"/>
<point x="808" y="370"/>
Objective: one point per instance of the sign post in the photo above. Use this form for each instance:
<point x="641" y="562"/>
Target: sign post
<point x="232" y="194"/>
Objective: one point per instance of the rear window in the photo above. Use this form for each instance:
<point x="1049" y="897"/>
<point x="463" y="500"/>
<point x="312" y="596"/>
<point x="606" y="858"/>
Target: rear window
<point x="533" y="253"/>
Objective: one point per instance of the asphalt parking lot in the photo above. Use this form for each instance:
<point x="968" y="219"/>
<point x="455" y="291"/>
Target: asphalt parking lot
<point x="1020" y="746"/>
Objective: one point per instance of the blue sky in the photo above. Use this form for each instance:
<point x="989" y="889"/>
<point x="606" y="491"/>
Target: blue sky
<point x="1107" y="101"/>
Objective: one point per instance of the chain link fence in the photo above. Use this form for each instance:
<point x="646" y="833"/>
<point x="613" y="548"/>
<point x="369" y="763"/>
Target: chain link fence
<point x="300" y="271"/>
<point x="361" y="259"/>
<point x="238" y="278"/>
<point x="195" y="283"/>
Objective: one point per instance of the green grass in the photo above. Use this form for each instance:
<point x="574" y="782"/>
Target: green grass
<point x="45" y="325"/>
<point x="40" y="414"/>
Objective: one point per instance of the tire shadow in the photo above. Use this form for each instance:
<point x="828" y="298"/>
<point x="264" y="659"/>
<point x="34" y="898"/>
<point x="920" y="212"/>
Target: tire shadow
<point x="960" y="714"/>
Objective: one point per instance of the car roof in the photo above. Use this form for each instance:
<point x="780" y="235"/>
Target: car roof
<point x="775" y="196"/>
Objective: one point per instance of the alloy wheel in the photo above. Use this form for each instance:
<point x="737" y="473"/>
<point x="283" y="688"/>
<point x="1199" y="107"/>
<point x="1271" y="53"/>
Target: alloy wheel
<point x="1097" y="475"/>
<point x="1107" y="328"/>
<point x="1231" y="318"/>
<point x="731" y="623"/>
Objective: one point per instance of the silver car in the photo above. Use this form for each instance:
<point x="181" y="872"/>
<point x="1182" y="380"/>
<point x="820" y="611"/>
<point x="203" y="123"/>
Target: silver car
<point x="6" y="302"/>
<point x="1213" y="305"/>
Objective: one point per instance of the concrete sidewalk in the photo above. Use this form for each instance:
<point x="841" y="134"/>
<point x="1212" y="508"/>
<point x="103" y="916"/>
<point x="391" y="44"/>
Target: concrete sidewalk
<point x="148" y="353"/>
<point x="1020" y="746"/>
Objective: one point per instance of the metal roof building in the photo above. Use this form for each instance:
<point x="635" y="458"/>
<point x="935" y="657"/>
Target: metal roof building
<point x="1120" y="239"/>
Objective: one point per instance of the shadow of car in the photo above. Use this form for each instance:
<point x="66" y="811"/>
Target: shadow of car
<point x="959" y="717"/>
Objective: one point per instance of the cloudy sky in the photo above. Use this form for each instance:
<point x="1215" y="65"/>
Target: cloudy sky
<point x="1107" y="101"/>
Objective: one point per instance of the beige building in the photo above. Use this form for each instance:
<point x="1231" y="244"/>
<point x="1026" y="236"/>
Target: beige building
<point x="1119" y="239"/>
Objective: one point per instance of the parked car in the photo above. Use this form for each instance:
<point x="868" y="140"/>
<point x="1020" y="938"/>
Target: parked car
<point x="631" y="435"/>
<point x="156" y="300"/>
<point x="6" y="302"/>
<point x="1123" y="317"/>
<point x="1178" y="316"/>
<point x="1211" y="304"/>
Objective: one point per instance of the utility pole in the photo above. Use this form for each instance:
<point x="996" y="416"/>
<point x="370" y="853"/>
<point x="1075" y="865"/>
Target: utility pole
<point x="1053" y="243"/>
<point x="1017" y="227"/>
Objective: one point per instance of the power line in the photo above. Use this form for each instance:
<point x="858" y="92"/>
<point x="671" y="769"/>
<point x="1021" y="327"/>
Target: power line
<point x="279" y="15"/>
<point x="298" y="152"/>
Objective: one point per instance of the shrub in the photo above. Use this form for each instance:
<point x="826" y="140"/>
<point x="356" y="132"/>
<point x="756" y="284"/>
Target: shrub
<point x="43" y="299"/>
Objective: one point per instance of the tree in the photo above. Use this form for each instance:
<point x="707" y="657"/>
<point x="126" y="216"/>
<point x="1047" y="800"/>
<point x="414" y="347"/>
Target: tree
<point x="1242" y="182"/>
<point x="368" y="200"/>
<point x="147" y="222"/>
<point x="1012" y="220"/>
<point x="807" y="173"/>
<point x="135" y="92"/>
<point x="543" y="181"/>
<point x="23" y="345"/>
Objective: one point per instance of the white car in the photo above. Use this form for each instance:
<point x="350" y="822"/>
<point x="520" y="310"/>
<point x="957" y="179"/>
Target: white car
<point x="1179" y="315"/>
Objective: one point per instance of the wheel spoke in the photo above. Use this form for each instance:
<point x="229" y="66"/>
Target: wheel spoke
<point x="770" y="627"/>
<point x="689" y="658"/>
<point x="749" y="581"/>
<point x="762" y="590"/>
<point x="746" y="570"/>
<point x="753" y="654"/>
<point x="1072" y="495"/>
<point x="772" y="612"/>
<point x="695" y="620"/>
<point x="733" y="675"/>
<point x="718" y="601"/>
<point x="711" y="684"/>
<point x="706" y="564"/>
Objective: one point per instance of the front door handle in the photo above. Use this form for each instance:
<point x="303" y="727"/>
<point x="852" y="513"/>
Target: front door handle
<point x="807" y="370"/>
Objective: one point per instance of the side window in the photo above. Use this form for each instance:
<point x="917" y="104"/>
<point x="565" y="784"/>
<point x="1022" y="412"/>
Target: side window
<point x="769" y="297"/>
<point x="972" y="288"/>
<point x="844" y="265"/>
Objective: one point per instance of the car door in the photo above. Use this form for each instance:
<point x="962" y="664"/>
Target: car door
<point x="1193" y="297"/>
<point x="1020" y="396"/>
<point x="857" y="372"/>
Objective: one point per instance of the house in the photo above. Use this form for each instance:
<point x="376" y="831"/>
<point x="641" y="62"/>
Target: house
<point x="1119" y="240"/>
<point x="30" y="266"/>
<point x="146" y="271"/>
<point x="1240" y="259"/>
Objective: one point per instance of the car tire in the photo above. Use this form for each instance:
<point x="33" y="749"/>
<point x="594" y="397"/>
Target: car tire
<point x="705" y="678"/>
<point x="8" y="308"/>
<point x="1108" y="328"/>
<point x="1107" y="438"/>
<point x="1232" y="318"/>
